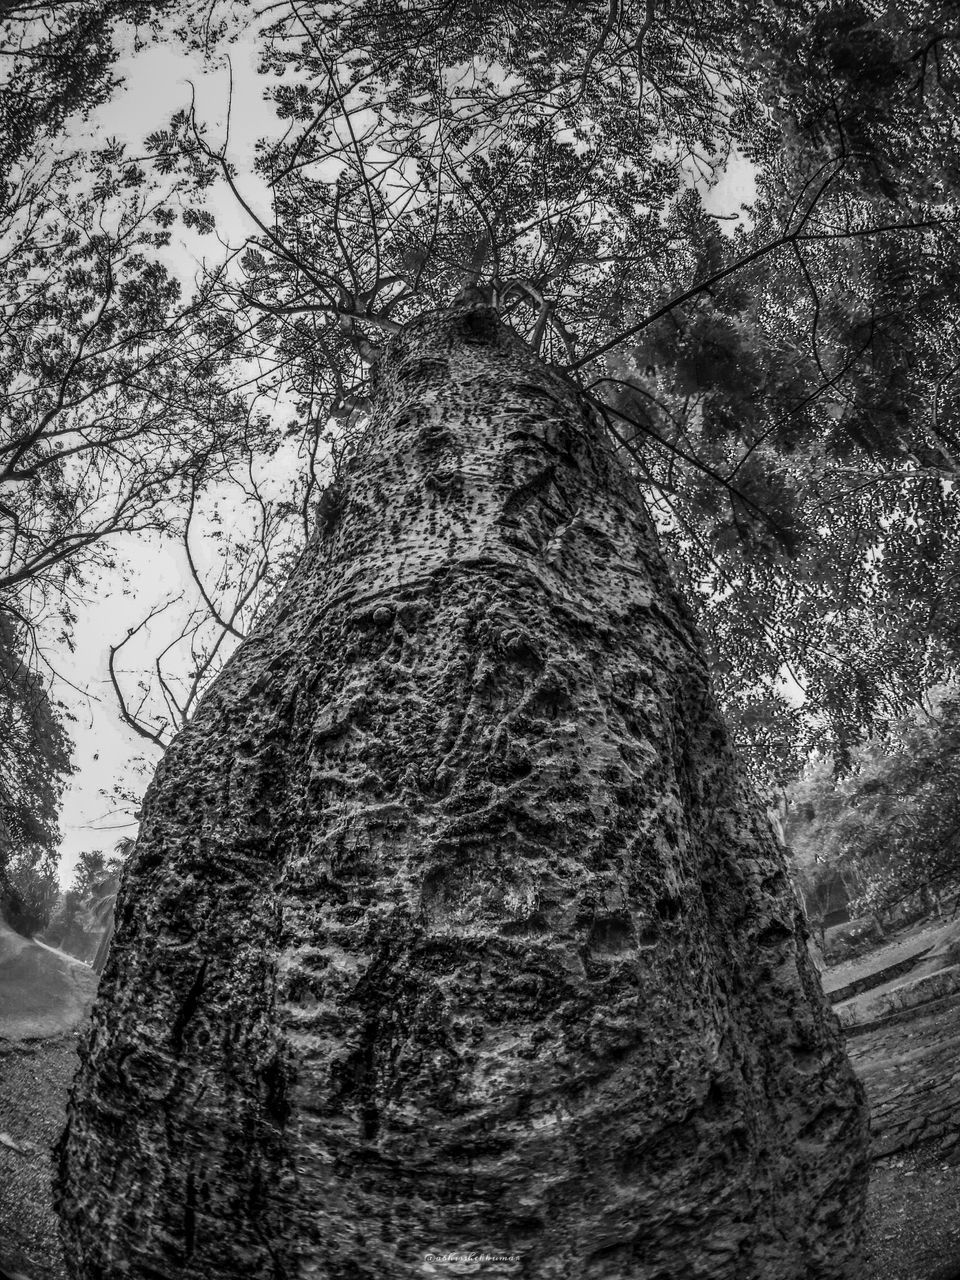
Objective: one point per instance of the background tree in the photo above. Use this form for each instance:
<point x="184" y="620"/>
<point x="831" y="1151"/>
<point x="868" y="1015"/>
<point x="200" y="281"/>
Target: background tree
<point x="890" y="826"/>
<point x="115" y="415"/>
<point x="84" y="916"/>
<point x="115" y="411"/>
<point x="59" y="60"/>
<point x="34" y="760"/>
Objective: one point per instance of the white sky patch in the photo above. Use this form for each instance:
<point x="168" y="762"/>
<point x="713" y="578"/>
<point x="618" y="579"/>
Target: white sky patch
<point x="789" y="689"/>
<point x="106" y="753"/>
<point x="732" y="193"/>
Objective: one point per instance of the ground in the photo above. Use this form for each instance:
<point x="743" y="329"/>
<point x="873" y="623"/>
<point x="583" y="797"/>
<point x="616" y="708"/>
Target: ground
<point x="913" y="1217"/>
<point x="911" y="1068"/>
<point x="34" y="1079"/>
<point x="43" y="991"/>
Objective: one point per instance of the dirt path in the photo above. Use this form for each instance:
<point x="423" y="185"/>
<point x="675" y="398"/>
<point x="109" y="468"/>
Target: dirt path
<point x="34" y="1079"/>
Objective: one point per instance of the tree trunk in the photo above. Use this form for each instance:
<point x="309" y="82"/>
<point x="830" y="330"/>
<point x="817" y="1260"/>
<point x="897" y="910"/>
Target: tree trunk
<point x="451" y="928"/>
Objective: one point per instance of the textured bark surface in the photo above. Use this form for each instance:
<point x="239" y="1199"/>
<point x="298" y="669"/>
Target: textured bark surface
<point x="450" y="928"/>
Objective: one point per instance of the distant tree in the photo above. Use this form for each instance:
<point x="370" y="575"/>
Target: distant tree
<point x="34" y="760"/>
<point x="818" y="379"/>
<point x="890" y="827"/>
<point x="83" y="922"/>
<point x="827" y="878"/>
<point x="31" y="889"/>
<point x="65" y="929"/>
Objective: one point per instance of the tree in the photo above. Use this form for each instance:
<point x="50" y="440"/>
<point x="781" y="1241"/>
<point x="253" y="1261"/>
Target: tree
<point x="772" y="392"/>
<point x="890" y="825"/>
<point x="503" y="899"/>
<point x="769" y="387"/>
<point x="457" y="836"/>
<point x="30" y="889"/>
<point x="34" y="760"/>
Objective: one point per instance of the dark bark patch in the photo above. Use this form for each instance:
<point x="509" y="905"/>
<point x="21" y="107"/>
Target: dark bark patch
<point x="188" y="1008"/>
<point x="531" y="392"/>
<point x="611" y="936"/>
<point x="551" y="701"/>
<point x="189" y="1215"/>
<point x="427" y="369"/>
<point x="525" y="493"/>
<point x="445" y="482"/>
<point x="668" y="906"/>
<point x="480" y="326"/>
<point x="329" y="508"/>
<point x="433" y="438"/>
<point x="775" y="933"/>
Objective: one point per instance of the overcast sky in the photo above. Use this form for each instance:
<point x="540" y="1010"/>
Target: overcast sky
<point x="107" y="754"/>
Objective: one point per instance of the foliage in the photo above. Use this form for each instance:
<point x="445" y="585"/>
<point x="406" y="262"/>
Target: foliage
<point x="114" y="408"/>
<point x="116" y="412"/>
<point x="120" y="412"/>
<point x="891" y="827"/>
<point x="85" y="910"/>
<point x="34" y="759"/>
<point x="30" y="889"/>
<point x="786" y="393"/>
<point x="814" y="805"/>
<point x="769" y="386"/>
<point x="817" y="381"/>
<point x="59" y="60"/>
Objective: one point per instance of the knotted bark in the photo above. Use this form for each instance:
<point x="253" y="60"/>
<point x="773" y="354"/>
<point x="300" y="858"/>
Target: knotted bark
<point x="451" y="928"/>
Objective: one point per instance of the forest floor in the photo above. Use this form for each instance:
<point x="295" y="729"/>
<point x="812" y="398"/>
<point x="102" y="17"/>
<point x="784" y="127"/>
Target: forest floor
<point x="913" y="1210"/>
<point x="34" y="1079"/>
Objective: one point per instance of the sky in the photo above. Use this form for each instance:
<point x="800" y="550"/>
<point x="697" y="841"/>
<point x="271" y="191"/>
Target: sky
<point x="107" y="754"/>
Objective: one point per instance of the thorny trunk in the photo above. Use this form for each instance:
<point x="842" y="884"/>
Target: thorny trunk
<point x="451" y="928"/>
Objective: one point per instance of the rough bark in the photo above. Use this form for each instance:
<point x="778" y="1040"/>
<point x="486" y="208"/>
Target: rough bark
<point x="451" y="927"/>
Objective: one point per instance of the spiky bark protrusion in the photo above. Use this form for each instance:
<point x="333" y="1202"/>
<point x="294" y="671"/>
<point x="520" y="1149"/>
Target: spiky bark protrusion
<point x="451" y="928"/>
